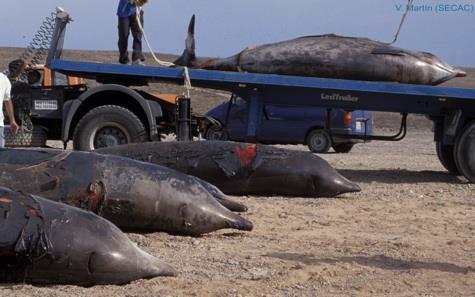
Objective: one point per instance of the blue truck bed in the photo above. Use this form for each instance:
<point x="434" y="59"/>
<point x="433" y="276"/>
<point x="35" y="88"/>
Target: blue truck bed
<point x="451" y="109"/>
<point x="351" y="94"/>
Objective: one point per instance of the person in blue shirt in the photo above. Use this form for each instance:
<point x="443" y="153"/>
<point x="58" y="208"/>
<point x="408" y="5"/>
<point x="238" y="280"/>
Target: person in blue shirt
<point x="126" y="12"/>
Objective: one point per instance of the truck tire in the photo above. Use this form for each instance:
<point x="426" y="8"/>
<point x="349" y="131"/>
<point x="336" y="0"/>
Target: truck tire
<point x="446" y="157"/>
<point x="35" y="138"/>
<point x="318" y="141"/>
<point x="465" y="152"/>
<point x="214" y="132"/>
<point x="108" y="125"/>
<point x="344" y="147"/>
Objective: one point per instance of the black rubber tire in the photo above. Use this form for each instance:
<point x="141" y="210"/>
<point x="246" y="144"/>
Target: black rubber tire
<point x="108" y="125"/>
<point x="35" y="138"/>
<point x="214" y="132"/>
<point x="343" y="147"/>
<point x="465" y="152"/>
<point x="318" y="141"/>
<point x="447" y="157"/>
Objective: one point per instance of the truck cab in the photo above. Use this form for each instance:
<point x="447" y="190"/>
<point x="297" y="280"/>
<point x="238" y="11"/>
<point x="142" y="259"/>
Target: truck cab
<point x="39" y="107"/>
<point x="63" y="107"/>
<point x="290" y="124"/>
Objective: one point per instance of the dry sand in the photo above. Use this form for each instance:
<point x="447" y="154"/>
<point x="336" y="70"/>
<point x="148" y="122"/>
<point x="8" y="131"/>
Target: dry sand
<point x="409" y="232"/>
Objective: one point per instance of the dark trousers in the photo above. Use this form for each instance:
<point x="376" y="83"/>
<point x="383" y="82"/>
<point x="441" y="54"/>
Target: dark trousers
<point x="127" y="25"/>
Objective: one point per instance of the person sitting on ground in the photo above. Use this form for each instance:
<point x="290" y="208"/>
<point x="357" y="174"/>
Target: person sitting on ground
<point x="127" y="16"/>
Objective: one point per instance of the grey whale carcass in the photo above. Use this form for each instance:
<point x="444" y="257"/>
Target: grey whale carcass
<point x="45" y="242"/>
<point x="244" y="168"/>
<point x="330" y="56"/>
<point x="131" y="194"/>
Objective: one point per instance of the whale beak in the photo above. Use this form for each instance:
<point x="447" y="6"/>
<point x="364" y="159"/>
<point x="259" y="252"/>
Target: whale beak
<point x="239" y="223"/>
<point x="460" y="72"/>
<point x="153" y="267"/>
<point x="346" y="186"/>
<point x="336" y="186"/>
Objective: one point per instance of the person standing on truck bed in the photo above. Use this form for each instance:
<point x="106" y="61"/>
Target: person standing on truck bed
<point x="127" y="15"/>
<point x="5" y="89"/>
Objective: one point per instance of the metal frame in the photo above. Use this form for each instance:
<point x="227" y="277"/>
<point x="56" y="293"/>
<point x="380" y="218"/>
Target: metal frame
<point x="450" y="108"/>
<point x="454" y="106"/>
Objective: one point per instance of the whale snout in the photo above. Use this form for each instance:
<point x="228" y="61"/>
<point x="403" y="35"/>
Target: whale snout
<point x="346" y="186"/>
<point x="239" y="223"/>
<point x="336" y="186"/>
<point x="460" y="72"/>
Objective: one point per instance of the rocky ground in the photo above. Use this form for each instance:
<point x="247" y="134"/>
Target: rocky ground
<point x="409" y="232"/>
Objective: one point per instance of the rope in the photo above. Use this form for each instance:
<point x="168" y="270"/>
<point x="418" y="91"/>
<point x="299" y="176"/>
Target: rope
<point x="186" y="75"/>
<point x="409" y="4"/>
<point x="160" y="62"/>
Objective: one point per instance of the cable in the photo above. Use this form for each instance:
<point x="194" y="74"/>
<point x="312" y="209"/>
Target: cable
<point x="160" y="62"/>
<point x="409" y="4"/>
<point x="186" y="75"/>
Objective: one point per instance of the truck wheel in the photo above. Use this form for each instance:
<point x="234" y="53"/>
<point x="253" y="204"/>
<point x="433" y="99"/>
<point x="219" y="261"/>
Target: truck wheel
<point x="108" y="125"/>
<point x="344" y="147"/>
<point x="465" y="152"/>
<point x="215" y="133"/>
<point x="318" y="141"/>
<point x="35" y="138"/>
<point x="446" y="157"/>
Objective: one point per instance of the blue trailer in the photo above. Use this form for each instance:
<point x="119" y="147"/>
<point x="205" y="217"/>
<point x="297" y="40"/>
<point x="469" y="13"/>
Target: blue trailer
<point x="451" y="109"/>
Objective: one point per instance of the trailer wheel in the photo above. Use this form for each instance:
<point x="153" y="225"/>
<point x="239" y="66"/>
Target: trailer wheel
<point x="446" y="157"/>
<point x="465" y="152"/>
<point x="214" y="132"/>
<point x="318" y="141"/>
<point x="344" y="147"/>
<point x="108" y="125"/>
<point x="35" y="138"/>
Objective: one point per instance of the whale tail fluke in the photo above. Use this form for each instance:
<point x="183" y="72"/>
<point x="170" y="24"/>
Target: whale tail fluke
<point x="188" y="57"/>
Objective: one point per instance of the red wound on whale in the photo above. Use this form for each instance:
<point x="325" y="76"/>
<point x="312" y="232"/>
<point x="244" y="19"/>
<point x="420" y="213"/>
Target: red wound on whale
<point x="247" y="155"/>
<point x="34" y="212"/>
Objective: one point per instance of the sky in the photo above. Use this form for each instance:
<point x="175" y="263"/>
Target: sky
<point x="224" y="27"/>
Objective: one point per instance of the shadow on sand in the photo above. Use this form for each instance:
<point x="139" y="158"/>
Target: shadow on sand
<point x="377" y="261"/>
<point x="400" y="176"/>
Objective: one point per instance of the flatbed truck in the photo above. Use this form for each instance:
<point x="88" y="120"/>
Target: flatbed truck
<point x="63" y="107"/>
<point x="451" y="109"/>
